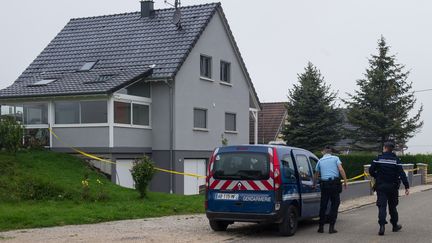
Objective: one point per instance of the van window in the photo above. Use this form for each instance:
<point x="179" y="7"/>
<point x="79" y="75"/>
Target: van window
<point x="303" y="168"/>
<point x="241" y="166"/>
<point x="313" y="162"/>
<point x="288" y="168"/>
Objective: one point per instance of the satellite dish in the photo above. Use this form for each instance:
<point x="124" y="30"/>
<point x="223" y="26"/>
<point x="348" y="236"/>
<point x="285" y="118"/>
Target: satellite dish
<point x="177" y="17"/>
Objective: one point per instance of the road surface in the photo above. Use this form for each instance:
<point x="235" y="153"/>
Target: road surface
<point x="359" y="225"/>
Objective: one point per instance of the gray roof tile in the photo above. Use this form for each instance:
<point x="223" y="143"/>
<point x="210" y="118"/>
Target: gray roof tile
<point x="123" y="44"/>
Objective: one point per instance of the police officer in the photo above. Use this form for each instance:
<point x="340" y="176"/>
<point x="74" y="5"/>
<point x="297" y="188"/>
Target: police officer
<point x="388" y="172"/>
<point x="329" y="169"/>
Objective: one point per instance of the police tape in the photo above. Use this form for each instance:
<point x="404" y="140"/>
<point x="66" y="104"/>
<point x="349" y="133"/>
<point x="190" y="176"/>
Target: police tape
<point x="357" y="177"/>
<point x="114" y="163"/>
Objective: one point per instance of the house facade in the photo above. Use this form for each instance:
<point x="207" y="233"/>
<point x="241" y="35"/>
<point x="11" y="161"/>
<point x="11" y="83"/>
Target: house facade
<point x="121" y="86"/>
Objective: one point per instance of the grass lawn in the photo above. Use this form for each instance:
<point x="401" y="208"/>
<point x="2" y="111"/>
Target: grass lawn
<point x="42" y="188"/>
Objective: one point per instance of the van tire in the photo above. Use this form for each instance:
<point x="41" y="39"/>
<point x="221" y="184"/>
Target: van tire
<point x="288" y="227"/>
<point x="217" y="225"/>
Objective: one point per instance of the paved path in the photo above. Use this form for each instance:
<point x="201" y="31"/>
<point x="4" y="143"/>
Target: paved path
<point x="354" y="225"/>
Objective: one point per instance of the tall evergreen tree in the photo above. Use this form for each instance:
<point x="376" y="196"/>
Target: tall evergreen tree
<point x="380" y="108"/>
<point x="313" y="119"/>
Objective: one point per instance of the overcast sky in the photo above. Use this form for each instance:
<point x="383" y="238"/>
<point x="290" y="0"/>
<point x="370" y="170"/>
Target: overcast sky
<point x="276" y="38"/>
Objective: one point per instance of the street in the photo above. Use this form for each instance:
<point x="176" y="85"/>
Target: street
<point x="359" y="225"/>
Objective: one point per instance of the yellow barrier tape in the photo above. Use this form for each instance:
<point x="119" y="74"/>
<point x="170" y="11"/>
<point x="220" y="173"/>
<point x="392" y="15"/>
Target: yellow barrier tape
<point x="357" y="177"/>
<point x="111" y="162"/>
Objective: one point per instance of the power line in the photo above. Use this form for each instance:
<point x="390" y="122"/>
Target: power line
<point x="422" y="90"/>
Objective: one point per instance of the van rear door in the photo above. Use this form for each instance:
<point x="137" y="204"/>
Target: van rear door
<point x="241" y="181"/>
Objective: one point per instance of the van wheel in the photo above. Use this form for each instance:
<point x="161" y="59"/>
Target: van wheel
<point x="218" y="225"/>
<point x="288" y="227"/>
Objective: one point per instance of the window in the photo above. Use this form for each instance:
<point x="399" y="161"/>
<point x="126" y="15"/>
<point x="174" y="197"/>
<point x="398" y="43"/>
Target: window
<point x="313" y="162"/>
<point x="230" y="122"/>
<point x="242" y="166"/>
<point x="303" y="168"/>
<point x="206" y="66"/>
<point x="225" y="71"/>
<point x="122" y="112"/>
<point x="200" y="118"/>
<point x="94" y="111"/>
<point x="100" y="79"/>
<point x="36" y="137"/>
<point x="141" y="115"/>
<point x="42" y="82"/>
<point x="67" y="112"/>
<point x="288" y="168"/>
<point x="81" y="112"/>
<point x="88" y="66"/>
<point x="131" y="113"/>
<point x="35" y="114"/>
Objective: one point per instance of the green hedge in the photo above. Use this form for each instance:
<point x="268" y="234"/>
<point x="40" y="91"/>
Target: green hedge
<point x="353" y="164"/>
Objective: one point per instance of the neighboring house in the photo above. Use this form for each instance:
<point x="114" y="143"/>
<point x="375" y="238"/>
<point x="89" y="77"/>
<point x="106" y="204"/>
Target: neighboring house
<point x="124" y="85"/>
<point x="271" y="120"/>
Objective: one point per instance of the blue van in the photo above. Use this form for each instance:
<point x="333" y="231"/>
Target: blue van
<point x="261" y="183"/>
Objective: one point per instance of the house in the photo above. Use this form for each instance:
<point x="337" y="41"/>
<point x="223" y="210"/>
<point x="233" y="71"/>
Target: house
<point x="271" y="120"/>
<point x="167" y="83"/>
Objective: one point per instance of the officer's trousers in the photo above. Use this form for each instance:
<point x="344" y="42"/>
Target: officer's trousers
<point x="391" y="197"/>
<point x="329" y="193"/>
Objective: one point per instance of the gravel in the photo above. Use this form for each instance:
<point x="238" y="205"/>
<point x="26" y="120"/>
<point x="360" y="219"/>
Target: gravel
<point x="186" y="228"/>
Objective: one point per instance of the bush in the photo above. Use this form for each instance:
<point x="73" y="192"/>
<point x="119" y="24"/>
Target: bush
<point x="142" y="173"/>
<point x="353" y="164"/>
<point x="11" y="134"/>
<point x="31" y="188"/>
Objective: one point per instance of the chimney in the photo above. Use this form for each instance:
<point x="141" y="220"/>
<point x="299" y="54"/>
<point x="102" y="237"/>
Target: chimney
<point x="147" y="8"/>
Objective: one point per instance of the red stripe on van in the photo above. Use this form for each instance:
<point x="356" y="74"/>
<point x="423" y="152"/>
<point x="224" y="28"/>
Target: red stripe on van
<point x="267" y="185"/>
<point x="253" y="185"/>
<point x="226" y="185"/>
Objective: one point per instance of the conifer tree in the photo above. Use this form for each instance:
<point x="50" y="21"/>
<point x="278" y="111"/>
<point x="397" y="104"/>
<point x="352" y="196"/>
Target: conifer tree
<point x="313" y="119"/>
<point x="380" y="108"/>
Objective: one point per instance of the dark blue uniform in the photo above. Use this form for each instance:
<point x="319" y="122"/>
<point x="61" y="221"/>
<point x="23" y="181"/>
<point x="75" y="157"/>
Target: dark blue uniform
<point x="388" y="173"/>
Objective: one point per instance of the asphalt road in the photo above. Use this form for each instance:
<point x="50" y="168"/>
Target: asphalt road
<point x="358" y="225"/>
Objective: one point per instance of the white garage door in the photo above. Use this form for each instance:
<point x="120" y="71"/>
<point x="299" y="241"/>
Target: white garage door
<point x="192" y="184"/>
<point x="124" y="176"/>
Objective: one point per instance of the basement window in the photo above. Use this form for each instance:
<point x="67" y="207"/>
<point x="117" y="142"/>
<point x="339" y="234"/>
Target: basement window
<point x="87" y="66"/>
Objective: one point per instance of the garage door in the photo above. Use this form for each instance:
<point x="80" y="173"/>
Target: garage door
<point x="192" y="184"/>
<point x="124" y="176"/>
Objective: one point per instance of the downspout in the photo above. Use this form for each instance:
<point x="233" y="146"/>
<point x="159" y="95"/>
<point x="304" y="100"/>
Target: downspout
<point x="171" y="131"/>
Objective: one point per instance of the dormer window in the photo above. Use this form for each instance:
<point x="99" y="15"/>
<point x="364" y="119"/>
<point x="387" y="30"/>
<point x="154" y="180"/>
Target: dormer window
<point x="100" y="79"/>
<point x="43" y="82"/>
<point x="87" y="66"/>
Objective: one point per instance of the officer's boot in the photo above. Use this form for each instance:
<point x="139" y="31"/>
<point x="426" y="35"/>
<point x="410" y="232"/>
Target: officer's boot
<point x="381" y="229"/>
<point x="332" y="229"/>
<point x="321" y="228"/>
<point x="397" y="227"/>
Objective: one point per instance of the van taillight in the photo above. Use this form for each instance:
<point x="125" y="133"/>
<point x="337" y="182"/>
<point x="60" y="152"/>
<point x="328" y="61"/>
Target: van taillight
<point x="209" y="175"/>
<point x="276" y="171"/>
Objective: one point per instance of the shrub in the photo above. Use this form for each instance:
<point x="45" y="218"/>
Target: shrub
<point x="11" y="134"/>
<point x="353" y="164"/>
<point x="142" y="173"/>
<point x="33" y="188"/>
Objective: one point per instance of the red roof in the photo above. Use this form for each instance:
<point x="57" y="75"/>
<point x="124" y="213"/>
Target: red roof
<point x="270" y="121"/>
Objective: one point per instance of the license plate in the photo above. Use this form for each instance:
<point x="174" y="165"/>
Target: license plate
<point x="227" y="196"/>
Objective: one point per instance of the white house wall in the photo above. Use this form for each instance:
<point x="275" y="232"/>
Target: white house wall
<point x="192" y="92"/>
